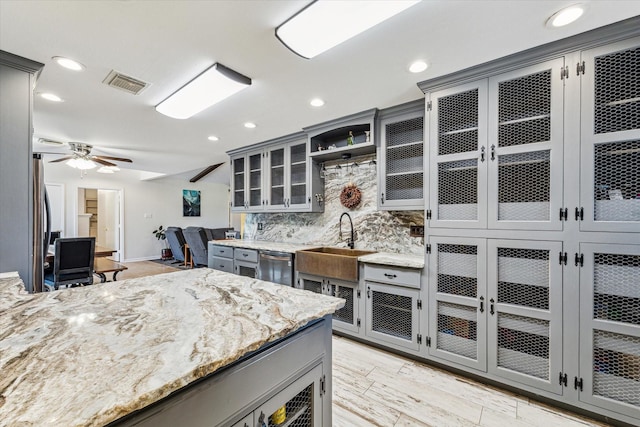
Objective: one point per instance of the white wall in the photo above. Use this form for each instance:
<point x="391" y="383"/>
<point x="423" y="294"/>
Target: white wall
<point x="161" y="199"/>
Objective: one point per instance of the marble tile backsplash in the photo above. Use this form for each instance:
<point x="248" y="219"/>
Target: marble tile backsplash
<point x="384" y="231"/>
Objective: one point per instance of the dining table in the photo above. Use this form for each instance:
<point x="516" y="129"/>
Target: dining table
<point x="100" y="252"/>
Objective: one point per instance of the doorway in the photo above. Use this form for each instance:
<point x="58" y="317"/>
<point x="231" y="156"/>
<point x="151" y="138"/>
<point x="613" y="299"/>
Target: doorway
<point x="99" y="216"/>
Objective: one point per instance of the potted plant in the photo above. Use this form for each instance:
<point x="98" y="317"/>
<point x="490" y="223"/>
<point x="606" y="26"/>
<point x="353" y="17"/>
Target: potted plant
<point x="160" y="235"/>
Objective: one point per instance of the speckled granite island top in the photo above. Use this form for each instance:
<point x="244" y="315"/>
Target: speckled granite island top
<point x="88" y="356"/>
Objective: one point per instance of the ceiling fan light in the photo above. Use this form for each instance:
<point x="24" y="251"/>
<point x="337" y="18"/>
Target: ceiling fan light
<point x="327" y="23"/>
<point x="212" y="86"/>
<point x="108" y="169"/>
<point x="80" y="163"/>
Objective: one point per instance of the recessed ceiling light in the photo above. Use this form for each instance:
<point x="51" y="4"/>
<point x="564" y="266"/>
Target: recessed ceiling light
<point x="418" y="67"/>
<point x="68" y="63"/>
<point x="213" y="138"/>
<point x="51" y="97"/>
<point x="250" y="125"/>
<point x="316" y="102"/>
<point x="566" y="16"/>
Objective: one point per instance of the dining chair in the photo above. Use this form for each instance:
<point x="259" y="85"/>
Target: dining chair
<point x="72" y="263"/>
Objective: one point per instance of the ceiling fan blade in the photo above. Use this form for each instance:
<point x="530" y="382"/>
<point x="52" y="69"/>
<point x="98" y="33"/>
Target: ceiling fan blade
<point x="119" y="159"/>
<point x="102" y="162"/>
<point x="206" y="171"/>
<point x="62" y="159"/>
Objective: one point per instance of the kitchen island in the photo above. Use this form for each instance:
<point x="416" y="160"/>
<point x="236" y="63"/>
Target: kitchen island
<point x="179" y="347"/>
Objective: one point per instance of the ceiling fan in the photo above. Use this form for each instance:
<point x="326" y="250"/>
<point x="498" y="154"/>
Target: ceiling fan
<point x="81" y="158"/>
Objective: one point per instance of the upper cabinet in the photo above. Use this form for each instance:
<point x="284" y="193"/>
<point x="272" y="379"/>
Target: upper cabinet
<point x="277" y="175"/>
<point x="401" y="157"/>
<point x="610" y="150"/>
<point x="525" y="148"/>
<point x="496" y="151"/>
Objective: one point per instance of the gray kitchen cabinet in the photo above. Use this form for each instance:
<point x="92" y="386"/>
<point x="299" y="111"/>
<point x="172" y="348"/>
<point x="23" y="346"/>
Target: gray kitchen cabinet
<point x="393" y="306"/>
<point x="458" y="301"/>
<point x="610" y="138"/>
<point x="247" y="178"/>
<point x="245" y="262"/>
<point x="401" y="157"/>
<point x="300" y="404"/>
<point x="498" y="166"/>
<point x="496" y="306"/>
<point x="346" y="319"/>
<point x="275" y="176"/>
<point x="220" y="257"/>
<point x="609" y="371"/>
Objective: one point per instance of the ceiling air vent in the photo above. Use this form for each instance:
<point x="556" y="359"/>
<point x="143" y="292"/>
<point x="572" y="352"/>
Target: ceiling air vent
<point x="124" y="82"/>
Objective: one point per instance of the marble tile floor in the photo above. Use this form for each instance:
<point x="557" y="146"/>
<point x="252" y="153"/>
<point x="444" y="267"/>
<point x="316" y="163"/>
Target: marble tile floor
<point x="372" y="387"/>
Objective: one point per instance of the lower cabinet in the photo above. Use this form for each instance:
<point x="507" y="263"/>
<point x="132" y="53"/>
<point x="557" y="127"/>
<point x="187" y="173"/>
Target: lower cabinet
<point x="610" y="327"/>
<point x="346" y="319"/>
<point x="392" y="315"/>
<point x="496" y="306"/>
<point x="296" y="405"/>
<point x="246" y="262"/>
<point x="220" y="257"/>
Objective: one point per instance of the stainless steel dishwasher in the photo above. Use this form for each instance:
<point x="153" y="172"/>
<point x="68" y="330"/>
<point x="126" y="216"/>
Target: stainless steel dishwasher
<point x="276" y="267"/>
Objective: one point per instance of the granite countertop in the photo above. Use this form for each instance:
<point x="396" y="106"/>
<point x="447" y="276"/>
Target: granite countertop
<point x="264" y="245"/>
<point x="88" y="356"/>
<point x="396" y="260"/>
<point x="384" y="258"/>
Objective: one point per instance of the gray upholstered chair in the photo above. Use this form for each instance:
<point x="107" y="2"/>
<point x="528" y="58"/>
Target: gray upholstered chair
<point x="176" y="242"/>
<point x="197" y="240"/>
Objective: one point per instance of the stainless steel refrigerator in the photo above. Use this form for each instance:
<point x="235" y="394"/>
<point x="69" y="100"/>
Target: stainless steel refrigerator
<point x="41" y="224"/>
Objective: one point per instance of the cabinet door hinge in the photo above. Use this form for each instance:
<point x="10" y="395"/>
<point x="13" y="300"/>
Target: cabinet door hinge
<point x="428" y="341"/>
<point x="428" y="213"/>
<point x="564" y="214"/>
<point x="564" y="73"/>
<point x="419" y="338"/>
<point x="562" y="258"/>
<point x="419" y="304"/>
<point x="429" y="105"/>
<point x="579" y="214"/>
<point x="579" y="259"/>
<point x="428" y="248"/>
<point x="358" y="323"/>
<point x="577" y="383"/>
<point x="563" y="379"/>
<point x="580" y="68"/>
<point x="358" y="296"/>
<point x="322" y="385"/>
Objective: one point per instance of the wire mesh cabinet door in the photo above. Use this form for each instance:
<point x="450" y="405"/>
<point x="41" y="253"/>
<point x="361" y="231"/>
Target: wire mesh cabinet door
<point x="392" y="315"/>
<point x="458" y="157"/>
<point x="525" y="144"/>
<point x="458" y="300"/>
<point x="298" y="176"/>
<point x="346" y="318"/>
<point x="276" y="159"/>
<point x="610" y="138"/>
<point x="525" y="312"/>
<point x="402" y="162"/>
<point x="610" y="327"/>
<point x="300" y="404"/>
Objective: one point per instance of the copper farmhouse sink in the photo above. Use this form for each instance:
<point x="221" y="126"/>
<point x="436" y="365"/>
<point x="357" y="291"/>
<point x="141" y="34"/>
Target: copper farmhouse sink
<point x="336" y="263"/>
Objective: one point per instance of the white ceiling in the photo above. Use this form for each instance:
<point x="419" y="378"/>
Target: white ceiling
<point x="167" y="43"/>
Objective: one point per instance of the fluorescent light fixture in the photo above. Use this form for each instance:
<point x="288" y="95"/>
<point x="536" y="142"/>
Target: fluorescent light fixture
<point x="566" y="16"/>
<point x="68" y="63"/>
<point x="80" y="163"/>
<point x="212" y="86"/>
<point x="51" y="97"/>
<point x="316" y="102"/>
<point x="213" y="138"/>
<point x="250" y="125"/>
<point x="418" y="67"/>
<point x="327" y="23"/>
